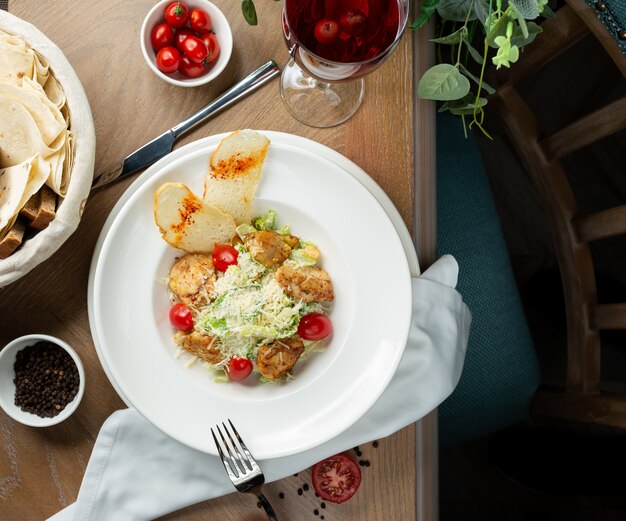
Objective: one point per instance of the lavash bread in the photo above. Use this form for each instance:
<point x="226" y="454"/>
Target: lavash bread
<point x="52" y="69"/>
<point x="235" y="172"/>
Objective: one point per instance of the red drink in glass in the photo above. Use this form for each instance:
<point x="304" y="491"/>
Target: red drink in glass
<point x="339" y="40"/>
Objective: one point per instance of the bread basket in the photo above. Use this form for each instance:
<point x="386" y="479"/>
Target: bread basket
<point x="38" y="248"/>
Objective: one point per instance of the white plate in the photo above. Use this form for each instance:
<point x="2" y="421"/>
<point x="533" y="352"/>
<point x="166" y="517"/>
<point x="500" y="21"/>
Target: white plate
<point x="366" y="261"/>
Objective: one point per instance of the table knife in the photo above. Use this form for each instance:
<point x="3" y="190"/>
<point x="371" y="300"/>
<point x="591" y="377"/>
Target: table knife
<point x="162" y="145"/>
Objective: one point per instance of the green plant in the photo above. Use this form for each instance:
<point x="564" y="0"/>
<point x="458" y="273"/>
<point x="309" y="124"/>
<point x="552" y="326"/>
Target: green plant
<point x="505" y="26"/>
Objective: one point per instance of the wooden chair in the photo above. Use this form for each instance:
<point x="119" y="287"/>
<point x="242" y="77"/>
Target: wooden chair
<point x="582" y="399"/>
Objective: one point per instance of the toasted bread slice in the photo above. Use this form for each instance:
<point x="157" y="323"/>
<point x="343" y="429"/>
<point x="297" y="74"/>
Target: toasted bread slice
<point x="12" y="239"/>
<point x="235" y="172"/>
<point x="40" y="209"/>
<point x="187" y="223"/>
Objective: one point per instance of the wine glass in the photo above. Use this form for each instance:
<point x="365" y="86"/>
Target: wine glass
<point x="333" y="44"/>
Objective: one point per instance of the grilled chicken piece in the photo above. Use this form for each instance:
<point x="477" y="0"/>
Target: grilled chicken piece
<point x="269" y="248"/>
<point x="200" y="345"/>
<point x="275" y="360"/>
<point x="309" y="284"/>
<point x="192" y="279"/>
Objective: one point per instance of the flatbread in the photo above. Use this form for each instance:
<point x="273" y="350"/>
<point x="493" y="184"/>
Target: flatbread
<point x="17" y="185"/>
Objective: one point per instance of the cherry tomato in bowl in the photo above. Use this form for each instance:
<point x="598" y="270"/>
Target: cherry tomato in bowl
<point x="239" y="368"/>
<point x="180" y="317"/>
<point x="194" y="49"/>
<point x="190" y="69"/>
<point x="200" y="21"/>
<point x="176" y="14"/>
<point x="224" y="255"/>
<point x="168" y="60"/>
<point x="162" y="36"/>
<point x="212" y="46"/>
<point x="180" y="35"/>
<point x="314" y="326"/>
<point x="336" y="479"/>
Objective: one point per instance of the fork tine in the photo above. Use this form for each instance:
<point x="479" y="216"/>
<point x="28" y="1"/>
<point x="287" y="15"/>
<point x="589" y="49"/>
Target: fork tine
<point x="227" y="465"/>
<point x="241" y="469"/>
<point x="243" y="459"/>
<point x="249" y="458"/>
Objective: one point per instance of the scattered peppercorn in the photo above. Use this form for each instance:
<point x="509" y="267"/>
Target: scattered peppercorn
<point x="323" y="505"/>
<point x="375" y="444"/>
<point x="259" y="505"/>
<point x="46" y="379"/>
<point x="361" y="463"/>
<point x="299" y="491"/>
<point x="281" y="495"/>
<point x="316" y="512"/>
<point x="295" y="475"/>
<point x="305" y="487"/>
<point x="321" y="517"/>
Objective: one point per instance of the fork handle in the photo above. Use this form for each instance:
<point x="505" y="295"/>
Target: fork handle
<point x="271" y="515"/>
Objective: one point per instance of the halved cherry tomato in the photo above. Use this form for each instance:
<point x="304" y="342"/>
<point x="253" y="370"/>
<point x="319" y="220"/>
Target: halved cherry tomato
<point x="176" y="14"/>
<point x="224" y="255"/>
<point x="180" y="317"/>
<point x="200" y="21"/>
<point x="337" y="478"/>
<point x="239" y="368"/>
<point x="212" y="46"/>
<point x="180" y="35"/>
<point x="194" y="49"/>
<point x="353" y="21"/>
<point x="326" y="31"/>
<point x="168" y="59"/>
<point x="162" y="36"/>
<point x="190" y="69"/>
<point x="314" y="326"/>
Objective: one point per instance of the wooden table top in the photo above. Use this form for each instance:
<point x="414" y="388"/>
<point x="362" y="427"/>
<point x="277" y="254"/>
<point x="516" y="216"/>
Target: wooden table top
<point x="390" y="137"/>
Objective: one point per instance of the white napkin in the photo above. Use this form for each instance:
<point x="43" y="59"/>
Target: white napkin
<point x="138" y="473"/>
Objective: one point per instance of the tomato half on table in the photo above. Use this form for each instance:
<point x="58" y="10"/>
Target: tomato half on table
<point x="181" y="317"/>
<point x="224" y="255"/>
<point x="336" y="479"/>
<point x="314" y="326"/>
<point x="176" y="14"/>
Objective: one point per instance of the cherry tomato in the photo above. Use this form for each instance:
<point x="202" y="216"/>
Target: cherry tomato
<point x="189" y="68"/>
<point x="336" y="479"/>
<point x="326" y="31"/>
<point x="353" y="21"/>
<point x="224" y="255"/>
<point x="194" y="49"/>
<point x="162" y="36"/>
<point x="176" y="14"/>
<point x="180" y="317"/>
<point x="314" y="326"/>
<point x="239" y="368"/>
<point x="180" y="35"/>
<point x="168" y="59"/>
<point x="212" y="46"/>
<point x="200" y="21"/>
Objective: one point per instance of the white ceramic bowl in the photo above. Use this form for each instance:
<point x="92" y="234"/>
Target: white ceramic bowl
<point x="38" y="248"/>
<point x="221" y="28"/>
<point x="7" y="387"/>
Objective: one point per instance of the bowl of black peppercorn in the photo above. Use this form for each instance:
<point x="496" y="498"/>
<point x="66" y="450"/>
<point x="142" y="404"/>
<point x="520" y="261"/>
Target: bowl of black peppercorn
<point x="42" y="380"/>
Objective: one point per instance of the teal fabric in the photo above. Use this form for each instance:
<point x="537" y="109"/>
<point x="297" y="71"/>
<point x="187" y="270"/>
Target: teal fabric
<point x="613" y="15"/>
<point x="501" y="372"/>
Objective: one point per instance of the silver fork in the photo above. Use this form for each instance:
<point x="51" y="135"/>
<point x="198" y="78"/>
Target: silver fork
<point x="240" y="466"/>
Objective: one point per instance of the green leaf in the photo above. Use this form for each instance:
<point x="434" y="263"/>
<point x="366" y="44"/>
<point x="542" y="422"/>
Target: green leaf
<point x="443" y="82"/>
<point x="426" y="11"/>
<point x="481" y="10"/>
<point x="454" y="38"/>
<point x="478" y="58"/>
<point x="527" y="8"/>
<point x="466" y="105"/>
<point x="547" y="12"/>
<point x="518" y="37"/>
<point x="249" y="12"/>
<point x="484" y="85"/>
<point x="498" y="29"/>
<point x="456" y="10"/>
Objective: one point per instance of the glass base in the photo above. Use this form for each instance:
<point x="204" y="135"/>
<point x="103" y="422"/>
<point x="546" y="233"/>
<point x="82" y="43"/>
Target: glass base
<point x="319" y="104"/>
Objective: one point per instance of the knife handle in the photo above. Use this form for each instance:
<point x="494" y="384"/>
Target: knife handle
<point x="250" y="83"/>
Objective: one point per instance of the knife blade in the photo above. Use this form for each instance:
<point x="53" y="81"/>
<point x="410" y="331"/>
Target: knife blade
<point x="162" y="145"/>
